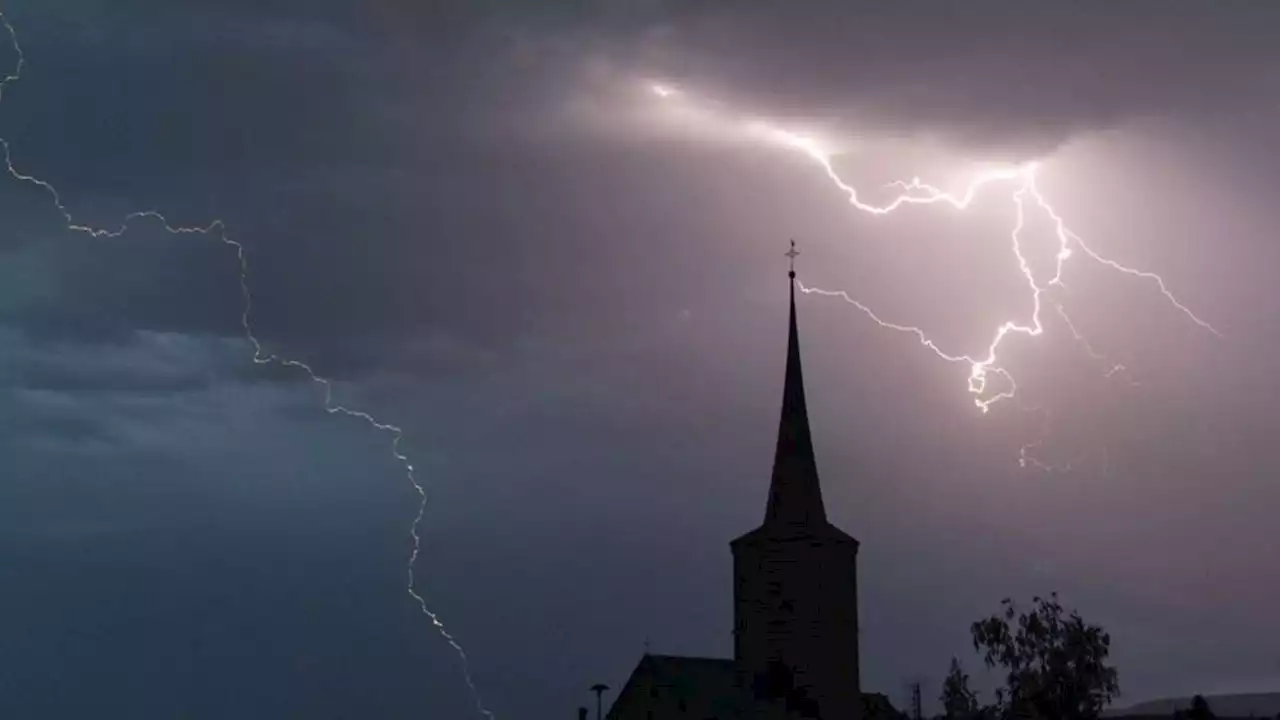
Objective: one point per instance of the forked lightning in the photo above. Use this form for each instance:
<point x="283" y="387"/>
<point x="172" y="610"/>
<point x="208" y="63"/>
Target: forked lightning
<point x="1024" y="192"/>
<point x="217" y="230"/>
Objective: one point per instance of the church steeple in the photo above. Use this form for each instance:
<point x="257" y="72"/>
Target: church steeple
<point x="795" y="496"/>
<point x="795" y="579"/>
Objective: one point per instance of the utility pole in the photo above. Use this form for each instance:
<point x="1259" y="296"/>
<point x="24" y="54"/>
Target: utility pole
<point x="599" y="689"/>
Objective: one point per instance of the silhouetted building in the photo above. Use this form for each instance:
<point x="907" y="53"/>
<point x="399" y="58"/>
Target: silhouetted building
<point x="795" y="607"/>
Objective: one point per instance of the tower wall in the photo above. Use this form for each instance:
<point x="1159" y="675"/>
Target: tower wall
<point x="796" y="623"/>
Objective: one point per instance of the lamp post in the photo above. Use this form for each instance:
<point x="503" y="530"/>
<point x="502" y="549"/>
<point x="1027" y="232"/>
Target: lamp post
<point x="599" y="689"/>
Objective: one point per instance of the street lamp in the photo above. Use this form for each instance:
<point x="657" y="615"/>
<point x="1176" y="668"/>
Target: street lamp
<point x="599" y="689"/>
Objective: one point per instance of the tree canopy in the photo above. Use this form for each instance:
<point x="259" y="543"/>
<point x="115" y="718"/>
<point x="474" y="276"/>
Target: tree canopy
<point x="1054" y="662"/>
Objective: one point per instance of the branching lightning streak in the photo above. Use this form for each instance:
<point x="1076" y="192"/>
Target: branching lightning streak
<point x="217" y="230"/>
<point x="915" y="192"/>
<point x="1088" y="348"/>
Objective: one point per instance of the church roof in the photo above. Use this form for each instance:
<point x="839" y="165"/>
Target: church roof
<point x="700" y="688"/>
<point x="671" y="685"/>
<point x="702" y="672"/>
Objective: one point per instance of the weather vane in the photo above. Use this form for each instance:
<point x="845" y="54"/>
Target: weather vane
<point x="791" y="254"/>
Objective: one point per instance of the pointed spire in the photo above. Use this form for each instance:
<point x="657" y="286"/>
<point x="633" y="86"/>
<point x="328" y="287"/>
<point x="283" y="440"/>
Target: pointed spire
<point x="795" y="496"/>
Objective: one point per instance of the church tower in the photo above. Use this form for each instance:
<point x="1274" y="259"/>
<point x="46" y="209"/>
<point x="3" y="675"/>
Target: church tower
<point x="795" y="580"/>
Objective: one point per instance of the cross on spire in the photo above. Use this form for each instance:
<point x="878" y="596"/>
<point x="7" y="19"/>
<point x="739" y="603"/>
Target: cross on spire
<point x="791" y="254"/>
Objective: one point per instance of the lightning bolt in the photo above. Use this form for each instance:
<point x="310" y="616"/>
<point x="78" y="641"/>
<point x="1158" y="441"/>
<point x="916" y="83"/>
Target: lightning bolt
<point x="217" y="230"/>
<point x="1024" y="192"/>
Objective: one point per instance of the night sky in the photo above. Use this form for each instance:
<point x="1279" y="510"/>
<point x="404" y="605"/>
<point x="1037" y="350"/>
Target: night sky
<point x="474" y="218"/>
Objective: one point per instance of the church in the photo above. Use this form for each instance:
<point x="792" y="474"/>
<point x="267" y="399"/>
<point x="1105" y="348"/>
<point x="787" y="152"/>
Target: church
<point x="795" y="606"/>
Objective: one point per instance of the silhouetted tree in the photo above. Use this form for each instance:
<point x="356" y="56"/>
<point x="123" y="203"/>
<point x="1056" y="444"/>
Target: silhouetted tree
<point x="1055" y="665"/>
<point x="1199" y="710"/>
<point x="958" y="701"/>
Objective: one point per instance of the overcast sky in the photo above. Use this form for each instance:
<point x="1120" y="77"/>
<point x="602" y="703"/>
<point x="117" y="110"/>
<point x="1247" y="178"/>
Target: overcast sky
<point x="477" y="221"/>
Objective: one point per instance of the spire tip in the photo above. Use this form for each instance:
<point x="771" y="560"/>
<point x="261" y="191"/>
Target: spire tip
<point x="791" y="254"/>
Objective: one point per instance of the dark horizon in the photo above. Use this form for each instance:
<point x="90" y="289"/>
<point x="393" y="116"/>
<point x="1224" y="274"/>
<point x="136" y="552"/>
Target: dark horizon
<point x="548" y="245"/>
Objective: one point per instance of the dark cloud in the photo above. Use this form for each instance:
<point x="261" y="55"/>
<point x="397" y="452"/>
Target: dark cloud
<point x="230" y="127"/>
<point x="29" y="422"/>
<point x="991" y="72"/>
<point x="152" y="363"/>
<point x="1023" y="78"/>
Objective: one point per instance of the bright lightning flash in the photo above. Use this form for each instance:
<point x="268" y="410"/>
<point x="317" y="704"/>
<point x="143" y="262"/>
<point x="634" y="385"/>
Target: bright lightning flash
<point x="217" y="231"/>
<point x="662" y="91"/>
<point x="1024" y="192"/>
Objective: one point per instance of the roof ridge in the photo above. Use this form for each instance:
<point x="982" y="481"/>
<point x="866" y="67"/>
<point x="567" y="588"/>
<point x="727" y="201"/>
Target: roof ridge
<point x="690" y="657"/>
